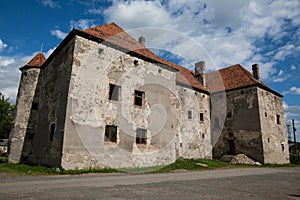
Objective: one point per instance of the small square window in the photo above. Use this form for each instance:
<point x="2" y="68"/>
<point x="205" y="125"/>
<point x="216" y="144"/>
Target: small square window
<point x="141" y="136"/>
<point x="35" y="106"/>
<point x="139" y="97"/>
<point x="190" y="116"/>
<point x="110" y="133"/>
<point x="278" y="119"/>
<point x="114" y="92"/>
<point x="201" y="117"/>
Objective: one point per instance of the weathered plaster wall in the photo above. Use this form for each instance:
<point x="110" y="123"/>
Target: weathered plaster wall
<point x="89" y="111"/>
<point x="52" y="99"/>
<point x="274" y="137"/>
<point x="241" y="131"/>
<point x="25" y="97"/>
<point x="194" y="140"/>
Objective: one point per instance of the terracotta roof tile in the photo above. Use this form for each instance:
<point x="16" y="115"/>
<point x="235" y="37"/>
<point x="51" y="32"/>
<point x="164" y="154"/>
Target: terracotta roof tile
<point x="233" y="77"/>
<point x="37" y="61"/>
<point x="115" y="35"/>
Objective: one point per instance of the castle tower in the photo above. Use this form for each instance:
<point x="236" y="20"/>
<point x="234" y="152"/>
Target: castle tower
<point x="24" y="104"/>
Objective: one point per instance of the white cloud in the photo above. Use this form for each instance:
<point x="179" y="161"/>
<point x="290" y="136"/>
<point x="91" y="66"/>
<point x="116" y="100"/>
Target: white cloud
<point x="230" y="31"/>
<point x="293" y="67"/>
<point x="10" y="73"/>
<point x="2" y="45"/>
<point x="59" y="34"/>
<point x="82" y="23"/>
<point x="280" y="77"/>
<point x="50" y="3"/>
<point x="4" y="61"/>
<point x="95" y="11"/>
<point x="294" y="90"/>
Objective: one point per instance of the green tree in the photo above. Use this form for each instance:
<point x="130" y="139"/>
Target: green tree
<point x="6" y="116"/>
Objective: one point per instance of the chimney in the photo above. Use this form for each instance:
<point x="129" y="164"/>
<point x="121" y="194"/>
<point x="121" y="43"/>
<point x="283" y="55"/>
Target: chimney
<point x="255" y="70"/>
<point x="200" y="72"/>
<point x="142" y="40"/>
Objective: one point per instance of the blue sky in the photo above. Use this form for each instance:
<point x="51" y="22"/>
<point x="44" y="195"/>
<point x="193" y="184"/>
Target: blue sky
<point x="222" y="33"/>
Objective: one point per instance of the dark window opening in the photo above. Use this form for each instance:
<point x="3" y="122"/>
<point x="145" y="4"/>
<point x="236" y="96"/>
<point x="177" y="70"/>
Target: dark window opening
<point x="190" y="116"/>
<point x="266" y="114"/>
<point x="141" y="136"/>
<point x="35" y="106"/>
<point x="278" y="119"/>
<point x="159" y="71"/>
<point x="282" y="147"/>
<point x="139" y="98"/>
<point x="29" y="135"/>
<point x="203" y="136"/>
<point x="135" y="62"/>
<point x="114" y="92"/>
<point x="52" y="130"/>
<point x="201" y="117"/>
<point x="110" y="133"/>
<point x="180" y="144"/>
<point x="229" y="114"/>
<point x="242" y="92"/>
<point x="268" y="139"/>
<point x="231" y="147"/>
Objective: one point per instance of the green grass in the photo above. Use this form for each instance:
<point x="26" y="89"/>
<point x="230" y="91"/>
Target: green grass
<point x="194" y="164"/>
<point x="182" y="164"/>
<point x="22" y="169"/>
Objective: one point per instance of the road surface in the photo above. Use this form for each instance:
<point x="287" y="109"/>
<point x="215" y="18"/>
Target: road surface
<point x="241" y="183"/>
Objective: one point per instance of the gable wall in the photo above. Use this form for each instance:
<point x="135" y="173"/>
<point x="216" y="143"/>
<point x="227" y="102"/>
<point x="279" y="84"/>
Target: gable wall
<point x="89" y="110"/>
<point x="51" y="97"/>
<point x="274" y="136"/>
<point x="239" y="124"/>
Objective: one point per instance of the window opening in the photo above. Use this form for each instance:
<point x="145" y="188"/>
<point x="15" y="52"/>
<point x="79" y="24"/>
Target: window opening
<point x="139" y="97"/>
<point x="141" y="136"/>
<point x="110" y="133"/>
<point x="114" y="91"/>
<point x="201" y="117"/>
<point x="278" y="119"/>
<point x="52" y="130"/>
<point x="190" y="116"/>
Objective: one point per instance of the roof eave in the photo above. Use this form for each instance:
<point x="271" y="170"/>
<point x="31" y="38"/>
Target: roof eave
<point x="248" y="86"/>
<point x="125" y="50"/>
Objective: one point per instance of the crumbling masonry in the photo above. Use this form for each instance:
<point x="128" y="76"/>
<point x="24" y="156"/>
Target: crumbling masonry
<point x="104" y="100"/>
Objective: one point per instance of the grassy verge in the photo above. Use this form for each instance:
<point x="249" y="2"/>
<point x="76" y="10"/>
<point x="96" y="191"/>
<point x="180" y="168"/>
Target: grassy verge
<point x="195" y="164"/>
<point x="183" y="164"/>
<point x="22" y="169"/>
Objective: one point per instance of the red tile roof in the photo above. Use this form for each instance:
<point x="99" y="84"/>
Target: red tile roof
<point x="37" y="61"/>
<point x="113" y="34"/>
<point x="233" y="77"/>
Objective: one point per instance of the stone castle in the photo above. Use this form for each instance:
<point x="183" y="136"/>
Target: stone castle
<point x="102" y="99"/>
